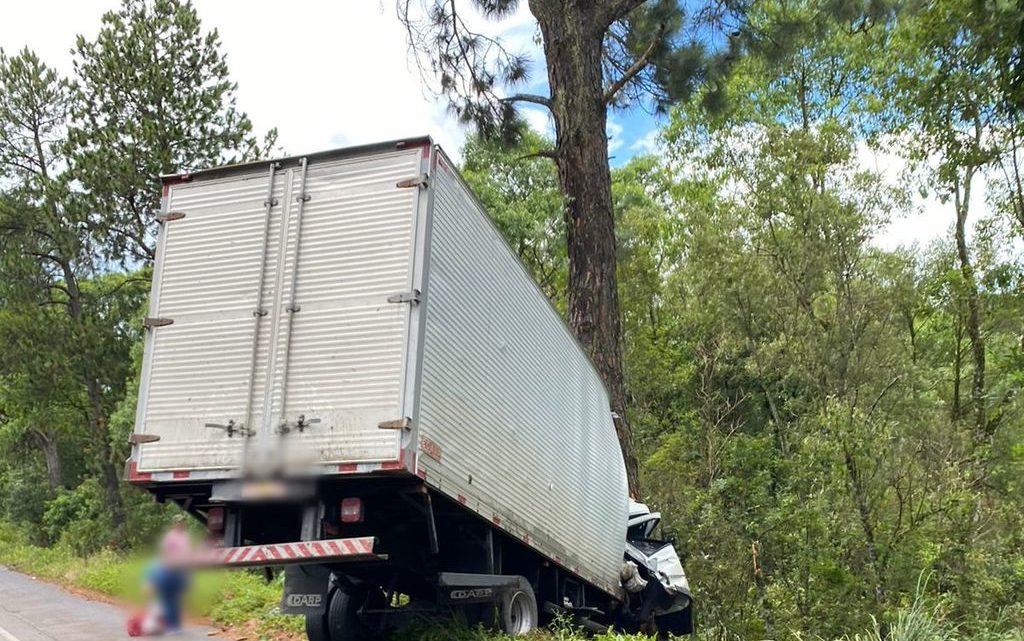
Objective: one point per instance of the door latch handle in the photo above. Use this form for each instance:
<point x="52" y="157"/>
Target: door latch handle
<point x="232" y="428"/>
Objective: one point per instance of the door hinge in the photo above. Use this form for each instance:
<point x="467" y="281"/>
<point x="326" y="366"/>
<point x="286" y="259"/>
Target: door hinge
<point x="403" y="423"/>
<point x="169" y="216"/>
<point x="149" y="322"/>
<point x="419" y="181"/>
<point x="406" y="297"/>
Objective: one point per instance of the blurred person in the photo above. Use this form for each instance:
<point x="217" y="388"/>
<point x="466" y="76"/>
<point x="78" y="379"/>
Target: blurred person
<point x="167" y="576"/>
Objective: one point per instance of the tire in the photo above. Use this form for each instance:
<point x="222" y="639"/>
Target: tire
<point x="340" y="622"/>
<point x="518" y="612"/>
<point x="316" y="627"/>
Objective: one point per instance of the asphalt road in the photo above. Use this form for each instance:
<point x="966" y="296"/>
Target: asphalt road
<point x="32" y="610"/>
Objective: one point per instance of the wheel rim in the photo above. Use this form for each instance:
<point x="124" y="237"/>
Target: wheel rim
<point x="520" y="616"/>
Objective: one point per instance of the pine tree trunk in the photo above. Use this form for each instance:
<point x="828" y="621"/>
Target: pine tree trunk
<point x="573" y="48"/>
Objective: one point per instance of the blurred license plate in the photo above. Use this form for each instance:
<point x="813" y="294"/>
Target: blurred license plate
<point x="264" y="490"/>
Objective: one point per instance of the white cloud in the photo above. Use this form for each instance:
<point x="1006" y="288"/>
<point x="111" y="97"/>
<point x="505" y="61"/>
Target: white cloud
<point x="326" y="73"/>
<point x="929" y="217"/>
<point x="649" y="143"/>
<point x="539" y="119"/>
<point x="614" y="132"/>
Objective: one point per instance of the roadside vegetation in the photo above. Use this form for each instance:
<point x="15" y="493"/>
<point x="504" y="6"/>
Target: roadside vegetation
<point x="244" y="605"/>
<point x="824" y="416"/>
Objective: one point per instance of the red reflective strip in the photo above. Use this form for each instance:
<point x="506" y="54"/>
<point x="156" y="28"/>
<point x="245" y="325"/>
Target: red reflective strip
<point x="392" y="465"/>
<point x="289" y="550"/>
<point x="348" y="467"/>
<point x="260" y="555"/>
<point x="367" y="546"/>
<point x="496" y="519"/>
<point x="426" y="151"/>
<point x="422" y="473"/>
<point x="337" y="549"/>
<point x="135" y="475"/>
<point x="462" y="499"/>
<point x="318" y="549"/>
<point x="180" y="475"/>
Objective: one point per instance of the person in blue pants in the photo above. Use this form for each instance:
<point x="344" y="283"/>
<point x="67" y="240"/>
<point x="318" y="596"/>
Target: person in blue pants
<point x="168" y="577"/>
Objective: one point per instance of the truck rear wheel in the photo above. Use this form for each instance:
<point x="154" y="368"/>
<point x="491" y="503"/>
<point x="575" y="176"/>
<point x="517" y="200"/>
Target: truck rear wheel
<point x="340" y="622"/>
<point x="518" y="611"/>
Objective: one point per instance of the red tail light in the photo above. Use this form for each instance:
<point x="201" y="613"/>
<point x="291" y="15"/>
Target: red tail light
<point x="351" y="510"/>
<point x="215" y="519"/>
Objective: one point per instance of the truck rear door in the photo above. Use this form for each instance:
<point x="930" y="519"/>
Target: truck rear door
<point x="271" y="340"/>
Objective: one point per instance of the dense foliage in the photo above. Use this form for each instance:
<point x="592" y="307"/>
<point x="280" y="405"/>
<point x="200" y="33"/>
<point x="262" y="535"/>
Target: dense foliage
<point x="833" y="428"/>
<point x="79" y="164"/>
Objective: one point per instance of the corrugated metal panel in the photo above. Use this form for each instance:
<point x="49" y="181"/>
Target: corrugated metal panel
<point x="205" y="281"/>
<point x="508" y="401"/>
<point x="347" y="345"/>
<point x="343" y="362"/>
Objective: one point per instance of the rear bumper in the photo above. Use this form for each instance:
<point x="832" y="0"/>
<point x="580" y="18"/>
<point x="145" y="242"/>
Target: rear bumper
<point x="404" y="463"/>
<point x="295" y="553"/>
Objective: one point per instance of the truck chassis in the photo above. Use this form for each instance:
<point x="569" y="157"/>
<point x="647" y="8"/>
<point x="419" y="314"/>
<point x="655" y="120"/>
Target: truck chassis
<point x="412" y="553"/>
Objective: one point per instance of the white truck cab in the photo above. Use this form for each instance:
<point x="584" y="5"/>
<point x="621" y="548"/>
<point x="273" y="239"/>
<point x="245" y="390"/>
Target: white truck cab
<point x="658" y="577"/>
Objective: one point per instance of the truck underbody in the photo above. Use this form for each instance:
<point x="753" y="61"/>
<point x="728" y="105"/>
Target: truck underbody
<point x="366" y="555"/>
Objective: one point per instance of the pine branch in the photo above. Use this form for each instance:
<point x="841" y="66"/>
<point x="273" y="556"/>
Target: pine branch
<point x="617" y="10"/>
<point x="541" y="153"/>
<point x="635" y="68"/>
<point x="531" y="98"/>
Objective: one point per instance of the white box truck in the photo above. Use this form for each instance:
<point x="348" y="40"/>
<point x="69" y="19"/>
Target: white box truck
<point x="347" y="372"/>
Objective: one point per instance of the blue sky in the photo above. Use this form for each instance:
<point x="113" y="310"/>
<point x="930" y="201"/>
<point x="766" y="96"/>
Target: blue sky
<point x="630" y="131"/>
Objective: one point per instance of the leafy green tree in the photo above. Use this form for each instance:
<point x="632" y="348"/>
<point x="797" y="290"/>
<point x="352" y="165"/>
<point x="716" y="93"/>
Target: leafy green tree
<point x="153" y="96"/>
<point x="48" y="256"/>
<point x="947" y="90"/>
<point x="523" y="199"/>
<point x="599" y="56"/>
<point x="80" y="162"/>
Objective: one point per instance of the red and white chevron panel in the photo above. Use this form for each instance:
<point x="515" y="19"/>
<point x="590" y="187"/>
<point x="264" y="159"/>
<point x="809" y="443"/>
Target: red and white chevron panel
<point x="357" y="549"/>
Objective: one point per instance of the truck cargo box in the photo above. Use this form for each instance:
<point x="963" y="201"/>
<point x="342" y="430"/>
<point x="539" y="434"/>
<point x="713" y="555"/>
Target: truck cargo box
<point x="356" y="312"/>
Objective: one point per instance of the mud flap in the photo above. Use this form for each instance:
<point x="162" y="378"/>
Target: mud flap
<point x="456" y="588"/>
<point x="305" y="589"/>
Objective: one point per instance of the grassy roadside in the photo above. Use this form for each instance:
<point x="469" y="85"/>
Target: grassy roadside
<point x="239" y="601"/>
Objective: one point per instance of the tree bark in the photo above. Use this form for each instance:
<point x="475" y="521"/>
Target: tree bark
<point x="956" y="412"/>
<point x="859" y="495"/>
<point x="96" y="413"/>
<point x="47" y="444"/>
<point x="573" y="39"/>
<point x="962" y="203"/>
